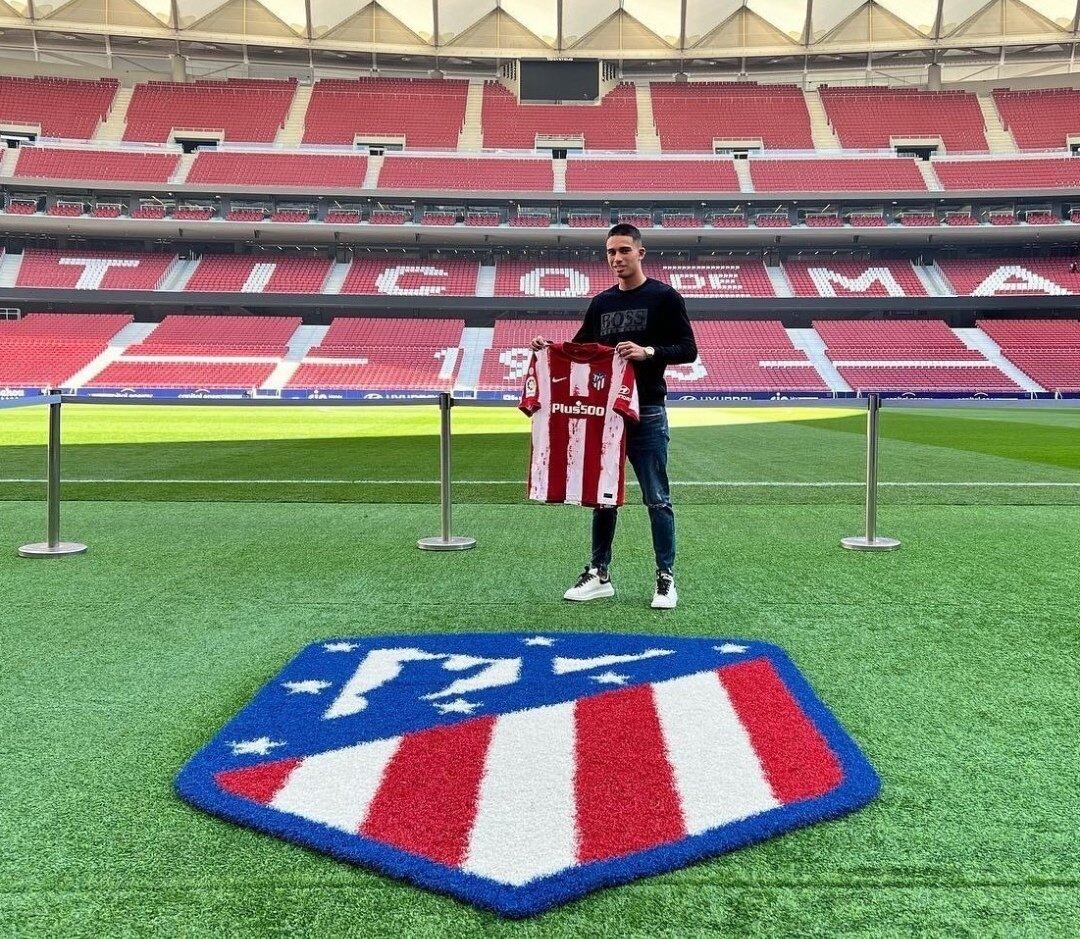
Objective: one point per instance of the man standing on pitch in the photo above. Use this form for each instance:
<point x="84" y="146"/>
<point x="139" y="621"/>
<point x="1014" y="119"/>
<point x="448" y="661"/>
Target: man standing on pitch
<point x="645" y="320"/>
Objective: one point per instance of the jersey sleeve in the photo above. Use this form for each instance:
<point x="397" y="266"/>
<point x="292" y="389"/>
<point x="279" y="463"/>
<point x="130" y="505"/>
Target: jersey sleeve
<point x="530" y="393"/>
<point x="626" y="401"/>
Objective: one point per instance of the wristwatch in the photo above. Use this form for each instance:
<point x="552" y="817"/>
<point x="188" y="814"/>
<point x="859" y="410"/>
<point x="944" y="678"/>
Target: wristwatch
<point x="650" y="352"/>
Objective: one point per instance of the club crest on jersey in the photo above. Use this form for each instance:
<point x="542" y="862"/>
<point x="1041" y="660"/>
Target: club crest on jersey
<point x="519" y="771"/>
<point x="598" y="380"/>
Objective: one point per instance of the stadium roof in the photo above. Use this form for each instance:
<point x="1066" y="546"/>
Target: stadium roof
<point x="689" y="31"/>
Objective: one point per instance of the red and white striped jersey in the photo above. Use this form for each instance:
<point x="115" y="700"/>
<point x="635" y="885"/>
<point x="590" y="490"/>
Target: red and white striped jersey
<point x="579" y="396"/>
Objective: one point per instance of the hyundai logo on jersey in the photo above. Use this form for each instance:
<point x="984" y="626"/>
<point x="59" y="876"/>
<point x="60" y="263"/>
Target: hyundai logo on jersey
<point x="517" y="772"/>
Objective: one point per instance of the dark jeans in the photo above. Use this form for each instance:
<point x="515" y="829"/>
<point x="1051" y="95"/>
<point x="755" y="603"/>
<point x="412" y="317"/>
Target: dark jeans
<point x="646" y="447"/>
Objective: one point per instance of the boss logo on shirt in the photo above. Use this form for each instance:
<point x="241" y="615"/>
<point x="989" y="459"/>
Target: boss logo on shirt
<point x="579" y="408"/>
<point x="623" y="321"/>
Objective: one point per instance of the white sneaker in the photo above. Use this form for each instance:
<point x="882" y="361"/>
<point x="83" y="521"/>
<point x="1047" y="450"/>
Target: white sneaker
<point x="590" y="586"/>
<point x="665" y="597"/>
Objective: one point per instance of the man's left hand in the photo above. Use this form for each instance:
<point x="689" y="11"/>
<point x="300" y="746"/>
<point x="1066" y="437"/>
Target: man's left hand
<point x="631" y="352"/>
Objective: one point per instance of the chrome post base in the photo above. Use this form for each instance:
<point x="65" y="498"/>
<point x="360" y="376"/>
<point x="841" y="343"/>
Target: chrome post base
<point x="43" y="549"/>
<point x="862" y="543"/>
<point x="453" y="543"/>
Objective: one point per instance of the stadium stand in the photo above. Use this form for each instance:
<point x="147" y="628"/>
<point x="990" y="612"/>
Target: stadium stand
<point x="60" y="107"/>
<point x="609" y="125"/>
<point x="918" y="219"/>
<point x="411" y="278"/>
<point x="504" y="364"/>
<point x="1040" y="119"/>
<point x="728" y="220"/>
<point x="829" y="278"/>
<point x="823" y="220"/>
<point x="772" y="220"/>
<point x="194" y="375"/>
<point x="352" y="335"/>
<point x="307" y="170"/>
<point x="746" y="277"/>
<point x="66" y="209"/>
<point x="389" y="369"/>
<point x="532" y="219"/>
<point x="884" y="174"/>
<point x="689" y="116"/>
<point x="867" y="220"/>
<point x="102" y="210"/>
<point x="218" y="335"/>
<point x="46" y="349"/>
<point x="960" y="218"/>
<point x="438" y="218"/>
<point x="482" y="219"/>
<point x="1001" y="217"/>
<point x="291" y="215"/>
<point x="586" y="220"/>
<point x="248" y="110"/>
<point x="637" y="219"/>
<point x="476" y="174"/>
<point x="870" y="118"/>
<point x="149" y="211"/>
<point x="554" y="279"/>
<point x="91" y="270"/>
<point x="1043" y="173"/>
<point x="638" y="175"/>
<point x="947" y="378"/>
<point x="342" y="217"/>
<point x="426" y="112"/>
<point x="1012" y="277"/>
<point x="680" y="220"/>
<point x="1046" y="350"/>
<point x="126" y="165"/>
<point x="22" y="207"/>
<point x="253" y="274"/>
<point x="193" y="213"/>
<point x="245" y="215"/>
<point x="893" y="340"/>
<point x="389" y="217"/>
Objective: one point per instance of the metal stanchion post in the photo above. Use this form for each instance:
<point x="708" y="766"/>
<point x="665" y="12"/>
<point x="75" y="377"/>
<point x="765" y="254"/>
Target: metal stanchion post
<point x="53" y="547"/>
<point x="445" y="541"/>
<point x="870" y="541"/>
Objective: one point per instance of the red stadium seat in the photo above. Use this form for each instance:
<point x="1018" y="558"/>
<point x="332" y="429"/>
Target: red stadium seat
<point x="61" y="107"/>
<point x="609" y="125"/>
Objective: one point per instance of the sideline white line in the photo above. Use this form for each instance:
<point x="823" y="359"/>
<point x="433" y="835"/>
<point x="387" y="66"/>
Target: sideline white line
<point x="746" y="484"/>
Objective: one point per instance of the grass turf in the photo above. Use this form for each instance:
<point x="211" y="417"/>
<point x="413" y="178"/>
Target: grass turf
<point x="953" y="662"/>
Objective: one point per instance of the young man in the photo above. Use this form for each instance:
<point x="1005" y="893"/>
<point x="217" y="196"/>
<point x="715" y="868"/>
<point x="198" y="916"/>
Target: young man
<point x="645" y="320"/>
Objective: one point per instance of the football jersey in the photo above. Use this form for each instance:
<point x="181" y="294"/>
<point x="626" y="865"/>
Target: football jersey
<point x="579" y="396"/>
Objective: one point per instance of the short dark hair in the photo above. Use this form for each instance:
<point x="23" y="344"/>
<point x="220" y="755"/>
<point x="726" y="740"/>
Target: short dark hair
<point x="624" y="228"/>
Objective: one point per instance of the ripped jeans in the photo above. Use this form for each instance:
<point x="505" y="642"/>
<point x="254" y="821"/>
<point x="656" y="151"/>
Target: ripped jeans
<point x="646" y="447"/>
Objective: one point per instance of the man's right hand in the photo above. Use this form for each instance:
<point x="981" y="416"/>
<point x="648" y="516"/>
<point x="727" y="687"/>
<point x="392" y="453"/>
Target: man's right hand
<point x="538" y="343"/>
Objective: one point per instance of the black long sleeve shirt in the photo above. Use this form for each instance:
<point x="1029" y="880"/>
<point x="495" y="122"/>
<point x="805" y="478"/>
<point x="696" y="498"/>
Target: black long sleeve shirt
<point x="653" y="314"/>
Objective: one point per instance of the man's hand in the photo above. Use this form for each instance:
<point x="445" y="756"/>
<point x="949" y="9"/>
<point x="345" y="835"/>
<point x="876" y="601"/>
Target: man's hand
<point x="538" y="343"/>
<point x="631" y="352"/>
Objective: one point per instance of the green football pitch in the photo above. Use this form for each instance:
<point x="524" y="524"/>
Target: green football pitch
<point x="223" y="539"/>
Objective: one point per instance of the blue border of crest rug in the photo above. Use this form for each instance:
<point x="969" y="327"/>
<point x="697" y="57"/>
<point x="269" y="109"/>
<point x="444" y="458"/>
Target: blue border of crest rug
<point x="518" y="772"/>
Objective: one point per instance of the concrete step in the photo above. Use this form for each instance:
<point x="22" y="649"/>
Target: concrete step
<point x="998" y="139"/>
<point x="183" y="168"/>
<point x="814" y="346"/>
<point x="558" y="171"/>
<point x="374" y="167"/>
<point x="112" y="128"/>
<point x="338" y="272"/>
<point x="742" y="170"/>
<point x="9" y="269"/>
<point x="926" y="167"/>
<point x="820" y="129"/>
<point x="474" y="340"/>
<point x="976" y="339"/>
<point x="293" y="132"/>
<point x="648" y="141"/>
<point x="780" y="282"/>
<point x="471" y="136"/>
<point x="485" y="281"/>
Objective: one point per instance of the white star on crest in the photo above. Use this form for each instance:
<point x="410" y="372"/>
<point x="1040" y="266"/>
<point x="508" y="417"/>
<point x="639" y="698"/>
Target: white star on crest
<point x="457" y="706"/>
<point x="262" y="746"/>
<point x="340" y="646"/>
<point x="730" y="647"/>
<point x="610" y="678"/>
<point x="310" y="686"/>
<point x="539" y="641"/>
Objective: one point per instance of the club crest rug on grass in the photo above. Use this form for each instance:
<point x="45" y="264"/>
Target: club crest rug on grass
<point x="518" y="772"/>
